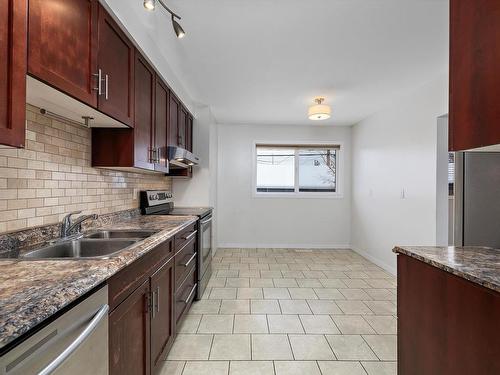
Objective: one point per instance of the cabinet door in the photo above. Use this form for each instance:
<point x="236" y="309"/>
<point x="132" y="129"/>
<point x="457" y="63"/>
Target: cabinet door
<point x="181" y="127"/>
<point x="144" y="107"/>
<point x="129" y="334"/>
<point x="189" y="133"/>
<point x="173" y="116"/>
<point x="116" y="61"/>
<point x="62" y="46"/>
<point x="161" y="125"/>
<point x="162" y="318"/>
<point x="13" y="29"/>
<point x="474" y="74"/>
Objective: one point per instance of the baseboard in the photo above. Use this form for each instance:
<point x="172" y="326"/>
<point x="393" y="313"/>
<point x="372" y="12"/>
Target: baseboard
<point x="377" y="261"/>
<point x="229" y="245"/>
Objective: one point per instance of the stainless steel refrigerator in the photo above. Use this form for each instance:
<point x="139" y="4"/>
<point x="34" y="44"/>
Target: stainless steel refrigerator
<point x="477" y="199"/>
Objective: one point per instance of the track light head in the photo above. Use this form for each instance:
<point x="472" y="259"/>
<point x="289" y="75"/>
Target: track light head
<point x="149" y="4"/>
<point x="179" y="31"/>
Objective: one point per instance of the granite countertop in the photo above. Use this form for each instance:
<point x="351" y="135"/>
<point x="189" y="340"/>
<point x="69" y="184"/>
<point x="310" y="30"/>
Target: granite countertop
<point x="481" y="265"/>
<point x="33" y="290"/>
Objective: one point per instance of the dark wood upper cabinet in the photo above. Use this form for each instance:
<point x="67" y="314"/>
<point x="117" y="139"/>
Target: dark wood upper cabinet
<point x="145" y="87"/>
<point x="62" y="46"/>
<point x="474" y="112"/>
<point x="129" y="334"/>
<point x="189" y="133"/>
<point x="144" y="146"/>
<point x="116" y="55"/>
<point x="181" y="127"/>
<point x="161" y="125"/>
<point x="162" y="317"/>
<point x="173" y="117"/>
<point x="13" y="30"/>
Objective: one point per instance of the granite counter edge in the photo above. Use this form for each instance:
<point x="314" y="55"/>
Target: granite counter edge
<point x="42" y="318"/>
<point x="449" y="269"/>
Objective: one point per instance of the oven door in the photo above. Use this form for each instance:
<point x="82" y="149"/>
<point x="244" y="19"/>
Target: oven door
<point x="205" y="245"/>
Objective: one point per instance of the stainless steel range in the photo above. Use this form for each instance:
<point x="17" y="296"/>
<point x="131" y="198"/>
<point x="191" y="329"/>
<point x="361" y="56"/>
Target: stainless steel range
<point x="161" y="202"/>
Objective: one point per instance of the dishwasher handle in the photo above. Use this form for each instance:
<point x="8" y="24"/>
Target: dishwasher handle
<point x="58" y="361"/>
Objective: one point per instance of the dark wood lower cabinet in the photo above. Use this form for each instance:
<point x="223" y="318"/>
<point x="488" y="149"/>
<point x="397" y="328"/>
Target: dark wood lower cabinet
<point x="162" y="322"/>
<point x="144" y="313"/>
<point x="446" y="324"/>
<point x="129" y="334"/>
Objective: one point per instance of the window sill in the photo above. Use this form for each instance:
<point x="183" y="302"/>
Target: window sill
<point x="299" y="195"/>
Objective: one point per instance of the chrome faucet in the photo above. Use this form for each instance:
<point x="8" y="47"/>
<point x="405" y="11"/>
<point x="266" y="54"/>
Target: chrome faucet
<point x="68" y="226"/>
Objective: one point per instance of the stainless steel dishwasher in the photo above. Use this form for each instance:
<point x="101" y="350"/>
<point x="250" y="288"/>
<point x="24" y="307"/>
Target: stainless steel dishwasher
<point x="75" y="343"/>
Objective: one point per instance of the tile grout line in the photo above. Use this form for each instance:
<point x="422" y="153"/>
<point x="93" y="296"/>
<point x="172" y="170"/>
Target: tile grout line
<point x="319" y="367"/>
<point x="331" y="348"/>
<point x="373" y="351"/>
<point x="291" y="347"/>
<point x="211" y="345"/>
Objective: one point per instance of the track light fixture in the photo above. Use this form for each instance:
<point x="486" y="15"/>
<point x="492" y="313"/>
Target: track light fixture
<point x="179" y="31"/>
<point x="151" y="6"/>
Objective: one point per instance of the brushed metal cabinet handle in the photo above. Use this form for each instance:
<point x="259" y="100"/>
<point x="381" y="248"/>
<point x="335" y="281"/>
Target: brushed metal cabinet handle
<point x="157" y="299"/>
<point x="190" y="294"/>
<point x="190" y="236"/>
<point x="107" y="86"/>
<point x="189" y="261"/>
<point x="99" y="80"/>
<point x="153" y="304"/>
<point x="89" y="329"/>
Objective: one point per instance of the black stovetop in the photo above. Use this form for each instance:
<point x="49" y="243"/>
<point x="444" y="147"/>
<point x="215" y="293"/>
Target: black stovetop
<point x="191" y="211"/>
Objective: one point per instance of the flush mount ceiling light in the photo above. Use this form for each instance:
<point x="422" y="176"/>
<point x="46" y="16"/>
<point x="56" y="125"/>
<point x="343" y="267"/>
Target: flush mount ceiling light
<point x="319" y="111"/>
<point x="151" y="6"/>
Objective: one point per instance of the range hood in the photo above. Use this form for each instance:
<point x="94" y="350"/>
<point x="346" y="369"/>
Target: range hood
<point x="179" y="158"/>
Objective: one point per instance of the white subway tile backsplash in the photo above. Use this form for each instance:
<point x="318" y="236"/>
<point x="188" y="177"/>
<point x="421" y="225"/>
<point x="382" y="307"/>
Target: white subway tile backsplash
<point x="53" y="175"/>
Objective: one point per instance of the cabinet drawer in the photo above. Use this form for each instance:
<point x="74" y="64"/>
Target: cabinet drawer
<point x="185" y="296"/>
<point x="185" y="259"/>
<point x="128" y="279"/>
<point x="185" y="236"/>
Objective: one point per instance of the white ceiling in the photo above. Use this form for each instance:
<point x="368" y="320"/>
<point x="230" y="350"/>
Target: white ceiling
<point x="263" y="61"/>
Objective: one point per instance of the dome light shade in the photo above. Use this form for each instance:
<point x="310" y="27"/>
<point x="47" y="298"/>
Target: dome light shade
<point x="319" y="111"/>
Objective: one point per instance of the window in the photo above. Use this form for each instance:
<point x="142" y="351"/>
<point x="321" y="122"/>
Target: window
<point x="297" y="169"/>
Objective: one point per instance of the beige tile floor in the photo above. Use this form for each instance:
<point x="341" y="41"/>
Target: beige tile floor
<point x="290" y="312"/>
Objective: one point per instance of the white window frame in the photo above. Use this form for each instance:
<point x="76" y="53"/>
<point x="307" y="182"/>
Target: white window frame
<point x="339" y="194"/>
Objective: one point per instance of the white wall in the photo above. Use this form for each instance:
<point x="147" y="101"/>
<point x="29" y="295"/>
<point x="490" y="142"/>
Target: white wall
<point x="442" y="201"/>
<point x="393" y="150"/>
<point x="248" y="221"/>
<point x="201" y="189"/>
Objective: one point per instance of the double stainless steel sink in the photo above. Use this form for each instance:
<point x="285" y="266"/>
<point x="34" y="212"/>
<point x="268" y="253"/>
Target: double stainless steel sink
<point x="94" y="245"/>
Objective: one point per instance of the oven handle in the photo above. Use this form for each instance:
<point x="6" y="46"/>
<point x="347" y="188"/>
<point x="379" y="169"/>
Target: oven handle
<point x="206" y="221"/>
